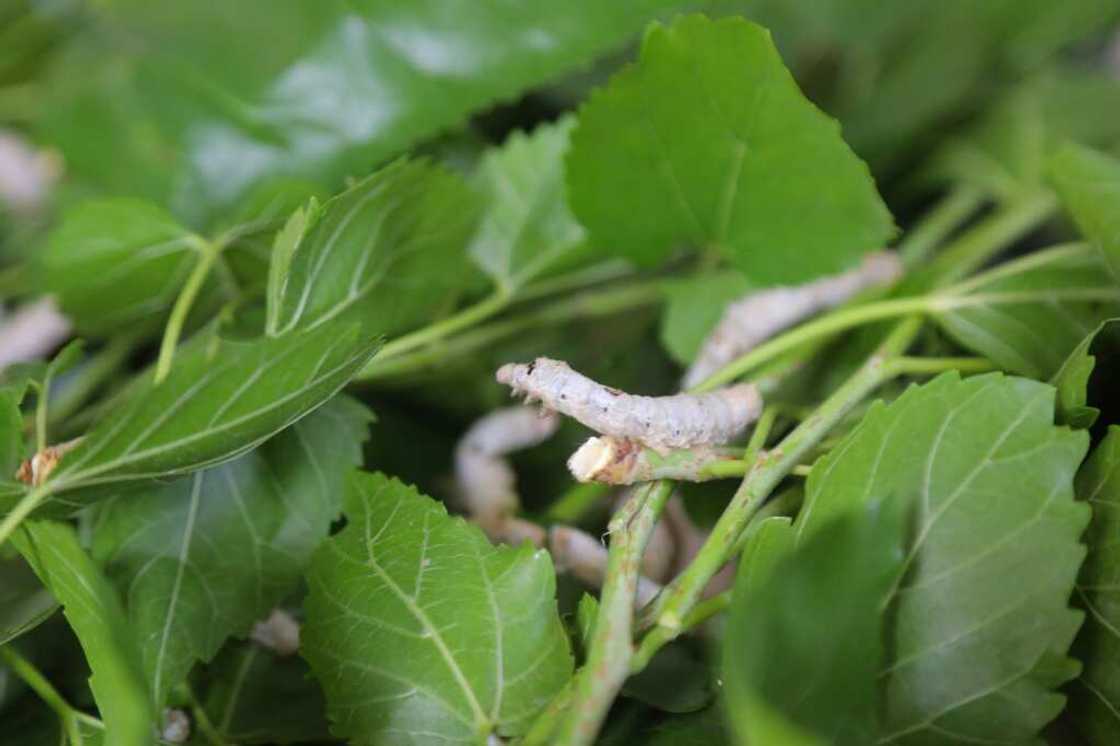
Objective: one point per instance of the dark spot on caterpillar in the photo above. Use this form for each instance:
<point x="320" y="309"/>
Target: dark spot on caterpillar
<point x="563" y="397"/>
<point x="532" y="366"/>
<point x="613" y="391"/>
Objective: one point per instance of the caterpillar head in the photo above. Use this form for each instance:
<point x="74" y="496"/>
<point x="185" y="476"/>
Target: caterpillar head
<point x="527" y="378"/>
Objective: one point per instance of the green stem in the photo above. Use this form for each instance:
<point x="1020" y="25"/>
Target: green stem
<point x="669" y="609"/>
<point x="590" y="304"/>
<point x="577" y="280"/>
<point x="827" y="325"/>
<point x="38" y="683"/>
<point x="22" y="509"/>
<point x="706" y="609"/>
<point x="208" y="254"/>
<point x="760" y="433"/>
<point x="469" y="316"/>
<point x="945" y="217"/>
<point x="202" y="720"/>
<point x="1005" y="226"/>
<point x="611" y="645"/>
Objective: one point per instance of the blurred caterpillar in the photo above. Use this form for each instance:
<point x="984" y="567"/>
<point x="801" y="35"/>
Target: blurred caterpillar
<point x="485" y="479"/>
<point x="761" y="314"/>
<point x="660" y="422"/>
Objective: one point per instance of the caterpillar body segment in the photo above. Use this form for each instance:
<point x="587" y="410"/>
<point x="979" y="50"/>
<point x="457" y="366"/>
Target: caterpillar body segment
<point x="661" y="422"/>
<point x="484" y="478"/>
<point x="759" y="315"/>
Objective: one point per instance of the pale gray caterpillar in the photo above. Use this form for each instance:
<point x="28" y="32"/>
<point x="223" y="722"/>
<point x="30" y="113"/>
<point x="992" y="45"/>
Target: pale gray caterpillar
<point x="485" y="480"/>
<point x="661" y="422"/>
<point x="761" y="314"/>
<point x="586" y="558"/>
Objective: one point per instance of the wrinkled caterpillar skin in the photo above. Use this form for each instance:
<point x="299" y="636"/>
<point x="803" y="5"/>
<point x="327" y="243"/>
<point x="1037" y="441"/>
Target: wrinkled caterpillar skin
<point x="760" y="315"/>
<point x="661" y="422"/>
<point x="485" y="480"/>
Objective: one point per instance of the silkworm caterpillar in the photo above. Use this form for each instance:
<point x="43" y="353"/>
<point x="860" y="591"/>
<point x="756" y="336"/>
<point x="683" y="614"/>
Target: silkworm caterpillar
<point x="759" y="315"/>
<point x="621" y="461"/>
<point x="485" y="480"/>
<point x="660" y="422"/>
<point x="585" y="557"/>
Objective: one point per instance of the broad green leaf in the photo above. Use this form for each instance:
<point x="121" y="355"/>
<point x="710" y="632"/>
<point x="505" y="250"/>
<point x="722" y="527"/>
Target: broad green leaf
<point x="219" y="401"/>
<point x="203" y="558"/>
<point x="804" y="640"/>
<point x="1088" y="182"/>
<point x="1095" y="695"/>
<point x="981" y="621"/>
<point x="526" y="228"/>
<point x="24" y="602"/>
<point x="1066" y="292"/>
<point x="900" y="75"/>
<point x="695" y="306"/>
<point x="389" y="250"/>
<point x="1072" y="379"/>
<point x="707" y="141"/>
<point x="418" y="629"/>
<point x="200" y="113"/>
<point x="255" y="696"/>
<point x="94" y="612"/>
<point x="114" y="263"/>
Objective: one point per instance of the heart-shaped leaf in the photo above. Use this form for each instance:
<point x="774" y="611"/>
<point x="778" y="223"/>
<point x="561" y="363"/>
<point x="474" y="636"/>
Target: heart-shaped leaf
<point x="419" y="629"/>
<point x="707" y="141"/>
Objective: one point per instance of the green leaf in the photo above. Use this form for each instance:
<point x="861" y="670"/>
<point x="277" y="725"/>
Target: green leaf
<point x="1066" y="293"/>
<point x="981" y="620"/>
<point x="527" y="228"/>
<point x="695" y="305"/>
<point x="1072" y="379"/>
<point x="187" y="113"/>
<point x="676" y="680"/>
<point x="708" y="141"/>
<point x="1088" y="183"/>
<point x="255" y="696"/>
<point x="219" y="401"/>
<point x="704" y="728"/>
<point x="11" y="429"/>
<point x="94" y="612"/>
<point x="203" y="558"/>
<point x="115" y="263"/>
<point x="1006" y="152"/>
<point x="804" y="638"/>
<point x="1094" y="701"/>
<point x="388" y="250"/>
<point x="419" y="629"/>
<point x="24" y="602"/>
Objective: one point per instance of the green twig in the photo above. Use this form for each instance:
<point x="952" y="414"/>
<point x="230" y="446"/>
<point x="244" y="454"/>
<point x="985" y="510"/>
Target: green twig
<point x="207" y="254"/>
<point x="589" y="304"/>
<point x="945" y="217"/>
<point x="469" y="316"/>
<point x="202" y="720"/>
<point x="996" y="232"/>
<point x="22" y="509"/>
<point x="611" y="646"/>
<point x="38" y="683"/>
